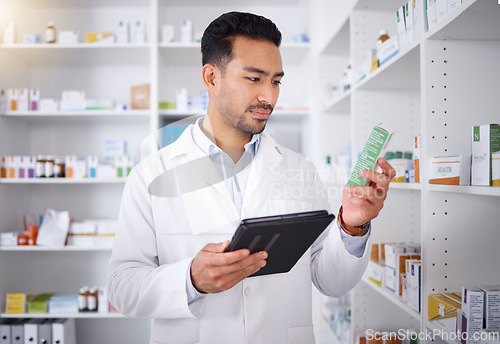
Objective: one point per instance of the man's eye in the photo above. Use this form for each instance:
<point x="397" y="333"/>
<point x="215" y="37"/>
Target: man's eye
<point x="277" y="82"/>
<point x="253" y="79"/>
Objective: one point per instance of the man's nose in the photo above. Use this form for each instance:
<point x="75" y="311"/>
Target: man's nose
<point x="267" y="94"/>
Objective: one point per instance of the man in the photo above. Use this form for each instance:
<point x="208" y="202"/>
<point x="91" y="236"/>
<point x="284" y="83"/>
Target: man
<point x="181" y="206"/>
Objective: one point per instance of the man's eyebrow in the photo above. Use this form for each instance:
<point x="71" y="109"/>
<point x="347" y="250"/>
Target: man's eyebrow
<point x="260" y="71"/>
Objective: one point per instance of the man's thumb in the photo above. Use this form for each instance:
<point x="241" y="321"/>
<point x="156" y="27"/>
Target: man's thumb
<point x="223" y="246"/>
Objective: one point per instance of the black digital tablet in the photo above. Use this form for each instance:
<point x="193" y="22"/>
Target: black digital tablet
<point x="284" y="237"/>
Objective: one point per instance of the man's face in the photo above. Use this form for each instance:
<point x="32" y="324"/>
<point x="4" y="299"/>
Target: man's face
<point x="250" y="85"/>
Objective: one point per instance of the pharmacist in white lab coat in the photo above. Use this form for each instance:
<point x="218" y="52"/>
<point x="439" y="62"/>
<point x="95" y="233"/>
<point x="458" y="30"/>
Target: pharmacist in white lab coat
<point x="181" y="206"/>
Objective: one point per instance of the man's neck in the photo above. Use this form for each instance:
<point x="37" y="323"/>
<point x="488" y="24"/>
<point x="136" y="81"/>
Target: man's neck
<point x="230" y="140"/>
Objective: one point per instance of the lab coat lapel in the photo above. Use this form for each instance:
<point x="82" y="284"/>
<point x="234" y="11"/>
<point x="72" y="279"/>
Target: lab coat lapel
<point x="208" y="205"/>
<point x="267" y="158"/>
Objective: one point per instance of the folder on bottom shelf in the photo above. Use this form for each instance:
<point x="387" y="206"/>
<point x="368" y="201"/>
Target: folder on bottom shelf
<point x="63" y="331"/>
<point x="31" y="330"/>
<point x="45" y="332"/>
<point x="17" y="332"/>
<point x="5" y="331"/>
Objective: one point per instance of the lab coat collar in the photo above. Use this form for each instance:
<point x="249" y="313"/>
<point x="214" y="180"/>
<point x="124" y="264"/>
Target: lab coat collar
<point x="202" y="201"/>
<point x="267" y="158"/>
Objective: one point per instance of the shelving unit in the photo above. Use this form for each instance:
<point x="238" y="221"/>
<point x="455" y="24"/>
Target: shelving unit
<point x="429" y="89"/>
<point x="392" y="298"/>
<point x="108" y="71"/>
<point x="64" y="181"/>
<point x="411" y="92"/>
<point x="68" y="315"/>
<point x="52" y="249"/>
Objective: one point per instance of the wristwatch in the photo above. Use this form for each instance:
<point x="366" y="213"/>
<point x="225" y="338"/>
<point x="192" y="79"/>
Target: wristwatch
<point x="352" y="230"/>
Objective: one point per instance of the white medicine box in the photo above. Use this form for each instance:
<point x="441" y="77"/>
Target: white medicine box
<point x="485" y="141"/>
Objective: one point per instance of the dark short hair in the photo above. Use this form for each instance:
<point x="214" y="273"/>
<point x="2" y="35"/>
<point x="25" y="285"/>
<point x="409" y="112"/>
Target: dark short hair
<point x="217" y="40"/>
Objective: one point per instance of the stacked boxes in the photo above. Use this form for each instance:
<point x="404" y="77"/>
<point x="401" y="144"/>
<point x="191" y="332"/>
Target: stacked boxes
<point x="443" y="310"/>
<point x="395" y="265"/>
<point x="472" y="313"/>
<point x="468" y="313"/>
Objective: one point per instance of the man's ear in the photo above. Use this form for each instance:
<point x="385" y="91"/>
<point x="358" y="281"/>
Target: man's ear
<point x="209" y="75"/>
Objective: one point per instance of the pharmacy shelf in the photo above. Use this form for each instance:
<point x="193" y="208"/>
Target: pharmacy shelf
<point x="338" y="44"/>
<point x="462" y="23"/>
<point x="436" y="329"/>
<point x="53" y="249"/>
<point x="327" y="332"/>
<point x="232" y="3"/>
<point x="80" y="115"/>
<point x="402" y="72"/>
<point x="85" y="3"/>
<point x="190" y="53"/>
<point x="471" y="190"/>
<point x="392" y="298"/>
<point x="405" y="186"/>
<point x="79" y="54"/>
<point x="342" y="104"/>
<point x="62" y="181"/>
<point x="57" y="46"/>
<point x="386" y="5"/>
<point x="89" y="315"/>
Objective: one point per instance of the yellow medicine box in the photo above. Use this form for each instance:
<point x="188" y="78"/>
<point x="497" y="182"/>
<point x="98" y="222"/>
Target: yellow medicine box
<point x="443" y="311"/>
<point x="15" y="303"/>
<point x="94" y="37"/>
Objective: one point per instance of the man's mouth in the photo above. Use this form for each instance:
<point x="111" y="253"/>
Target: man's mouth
<point x="262" y="112"/>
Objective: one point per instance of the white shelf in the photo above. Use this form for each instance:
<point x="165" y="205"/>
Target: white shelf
<point x="57" y="46"/>
<point x="338" y="44"/>
<point x="402" y="72"/>
<point x="63" y="181"/>
<point x="190" y="53"/>
<point x="405" y="186"/>
<point x="78" y="54"/>
<point x="232" y="3"/>
<point x="392" y="298"/>
<point x="462" y="23"/>
<point x="386" y="5"/>
<point x="80" y="115"/>
<point x="341" y="104"/>
<point x="85" y="3"/>
<point x="54" y="249"/>
<point x="111" y="315"/>
<point x="470" y="190"/>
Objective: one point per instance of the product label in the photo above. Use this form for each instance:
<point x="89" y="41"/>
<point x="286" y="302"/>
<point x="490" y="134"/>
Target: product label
<point x="49" y="169"/>
<point x="92" y="303"/>
<point x="477" y="135"/>
<point x="368" y="158"/>
<point x="49" y="36"/>
<point x="40" y="169"/>
<point x="82" y="302"/>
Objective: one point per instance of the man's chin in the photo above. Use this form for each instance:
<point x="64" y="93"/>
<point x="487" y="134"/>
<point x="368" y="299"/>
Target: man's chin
<point x="254" y="129"/>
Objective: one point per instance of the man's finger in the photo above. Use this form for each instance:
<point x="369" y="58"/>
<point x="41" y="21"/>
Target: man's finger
<point x="247" y="264"/>
<point x="220" y="247"/>
<point x="381" y="180"/>
<point x="386" y="167"/>
<point x="239" y="275"/>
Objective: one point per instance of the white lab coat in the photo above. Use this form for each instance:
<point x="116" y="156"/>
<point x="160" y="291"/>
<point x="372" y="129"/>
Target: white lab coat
<point x="158" y="237"/>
